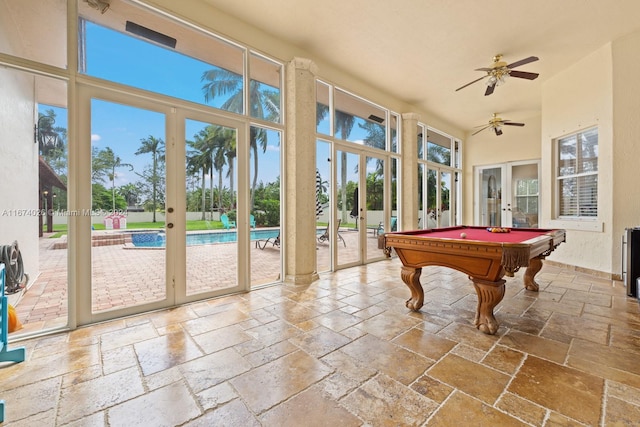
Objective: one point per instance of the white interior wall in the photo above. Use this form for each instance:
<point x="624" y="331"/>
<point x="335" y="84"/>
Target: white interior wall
<point x="486" y="148"/>
<point x="578" y="98"/>
<point x="625" y="197"/>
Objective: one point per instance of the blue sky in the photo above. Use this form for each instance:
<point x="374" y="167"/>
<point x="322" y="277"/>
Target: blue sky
<point x="131" y="61"/>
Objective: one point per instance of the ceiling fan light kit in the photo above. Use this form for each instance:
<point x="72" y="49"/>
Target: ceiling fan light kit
<point x="496" y="124"/>
<point x="498" y="74"/>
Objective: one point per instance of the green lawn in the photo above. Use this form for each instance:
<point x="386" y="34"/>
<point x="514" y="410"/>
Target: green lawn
<point x="61" y="229"/>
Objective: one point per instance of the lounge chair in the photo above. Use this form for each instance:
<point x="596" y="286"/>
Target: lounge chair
<point x="252" y="221"/>
<point x="324" y="237"/>
<point x="226" y="222"/>
<point x="275" y="241"/>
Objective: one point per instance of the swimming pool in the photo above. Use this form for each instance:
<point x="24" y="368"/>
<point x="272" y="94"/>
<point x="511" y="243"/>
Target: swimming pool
<point x="157" y="239"/>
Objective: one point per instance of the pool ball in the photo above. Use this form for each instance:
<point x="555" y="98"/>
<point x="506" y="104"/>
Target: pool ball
<point x="463" y="235"/>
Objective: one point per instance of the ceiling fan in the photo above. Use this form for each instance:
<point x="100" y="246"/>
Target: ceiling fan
<point x="496" y="124"/>
<point x="499" y="71"/>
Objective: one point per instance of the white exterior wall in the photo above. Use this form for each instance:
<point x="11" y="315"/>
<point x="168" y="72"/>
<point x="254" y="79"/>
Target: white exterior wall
<point x="19" y="167"/>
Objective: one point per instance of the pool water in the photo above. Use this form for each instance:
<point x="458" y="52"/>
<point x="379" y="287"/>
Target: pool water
<point x="157" y="239"/>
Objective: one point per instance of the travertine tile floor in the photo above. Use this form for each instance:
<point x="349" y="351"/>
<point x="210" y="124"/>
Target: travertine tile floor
<point x="345" y="351"/>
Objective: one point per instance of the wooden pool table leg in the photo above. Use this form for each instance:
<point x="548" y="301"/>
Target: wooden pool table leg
<point x="489" y="295"/>
<point x="411" y="278"/>
<point x="535" y="265"/>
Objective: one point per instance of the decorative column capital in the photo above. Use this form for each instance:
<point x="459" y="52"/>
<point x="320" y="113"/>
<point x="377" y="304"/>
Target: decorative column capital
<point x="304" y="64"/>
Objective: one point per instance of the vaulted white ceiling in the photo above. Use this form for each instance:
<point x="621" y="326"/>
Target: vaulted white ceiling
<point x="422" y="50"/>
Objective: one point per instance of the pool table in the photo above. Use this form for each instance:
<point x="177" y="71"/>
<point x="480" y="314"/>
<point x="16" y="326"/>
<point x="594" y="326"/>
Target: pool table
<point x="483" y="255"/>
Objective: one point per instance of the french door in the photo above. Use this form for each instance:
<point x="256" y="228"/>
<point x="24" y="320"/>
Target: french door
<point x="136" y="178"/>
<point x="507" y="195"/>
<point x="359" y="207"/>
<point x="438" y="183"/>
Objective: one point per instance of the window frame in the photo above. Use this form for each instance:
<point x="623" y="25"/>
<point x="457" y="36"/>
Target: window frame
<point x="578" y="222"/>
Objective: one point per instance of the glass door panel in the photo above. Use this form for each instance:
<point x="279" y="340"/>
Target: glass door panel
<point x="445" y="215"/>
<point x="524" y="195"/>
<point x="374" y="207"/>
<point x="265" y="205"/>
<point x="323" y="197"/>
<point x="490" y="197"/>
<point x="128" y="237"/>
<point x="344" y="232"/>
<point x="211" y="231"/>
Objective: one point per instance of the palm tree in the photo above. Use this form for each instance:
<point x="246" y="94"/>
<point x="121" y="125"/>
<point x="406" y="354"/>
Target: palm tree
<point x="155" y="146"/>
<point x="107" y="162"/>
<point x="264" y="103"/>
<point x="198" y="161"/>
<point x="344" y="125"/>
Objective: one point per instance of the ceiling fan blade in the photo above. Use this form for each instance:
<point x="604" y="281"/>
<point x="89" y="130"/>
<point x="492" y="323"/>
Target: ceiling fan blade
<point x="498" y="131"/>
<point x="508" y="123"/>
<point x="523" y="61"/>
<point x="483" y="69"/>
<point x="468" y="84"/>
<point x="524" y="75"/>
<point x="480" y="130"/>
<point x="490" y="89"/>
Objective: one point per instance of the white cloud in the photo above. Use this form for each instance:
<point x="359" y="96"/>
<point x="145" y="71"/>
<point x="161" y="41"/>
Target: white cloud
<point x="95" y="137"/>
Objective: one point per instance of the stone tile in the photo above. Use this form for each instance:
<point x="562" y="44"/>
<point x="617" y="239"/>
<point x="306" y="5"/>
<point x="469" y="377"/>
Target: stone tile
<point x="621" y="413"/>
<point x="522" y="409"/>
<point x="118" y="358"/>
<point x="472" y="378"/>
<point x="387" y="326"/>
<point x="222" y="338"/>
<point x="425" y="343"/>
<point x="320" y="341"/>
<point x="570" y="392"/>
<point x="548" y="349"/>
<point x="29" y="400"/>
<point x="503" y="359"/>
<point x="97" y="394"/>
<point x="352" y="368"/>
<point x="610" y="357"/>
<point x="469" y="335"/>
<point x="214" y="321"/>
<point x="166" y="351"/>
<point x="215" y="396"/>
<point x="234" y="413"/>
<point x="338" y="320"/>
<point x="564" y="328"/>
<point x="311" y="409"/>
<point x="270" y="384"/>
<point x="127" y="336"/>
<point x="383" y="401"/>
<point x="463" y="410"/>
<point x="432" y="388"/>
<point x="213" y="369"/>
<point x="395" y="361"/>
<point x="156" y="408"/>
<point x="268" y="354"/>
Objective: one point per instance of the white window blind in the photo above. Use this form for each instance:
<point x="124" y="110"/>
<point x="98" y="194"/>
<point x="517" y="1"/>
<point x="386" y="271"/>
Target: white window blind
<point x="577" y="175"/>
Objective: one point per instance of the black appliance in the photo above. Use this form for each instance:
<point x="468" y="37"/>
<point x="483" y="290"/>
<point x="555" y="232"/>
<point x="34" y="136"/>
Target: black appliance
<point x="631" y="260"/>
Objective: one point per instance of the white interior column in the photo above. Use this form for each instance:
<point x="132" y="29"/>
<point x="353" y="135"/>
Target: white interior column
<point x="409" y="173"/>
<point x="300" y="177"/>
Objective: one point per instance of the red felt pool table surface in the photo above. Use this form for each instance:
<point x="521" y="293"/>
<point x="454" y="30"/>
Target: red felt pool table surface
<point x="483" y="255"/>
<point x="515" y="235"/>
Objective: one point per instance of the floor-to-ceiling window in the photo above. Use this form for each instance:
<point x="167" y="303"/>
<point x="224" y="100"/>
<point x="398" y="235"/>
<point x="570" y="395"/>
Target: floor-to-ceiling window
<point x="173" y="156"/>
<point x="357" y="158"/>
<point x="438" y="178"/>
